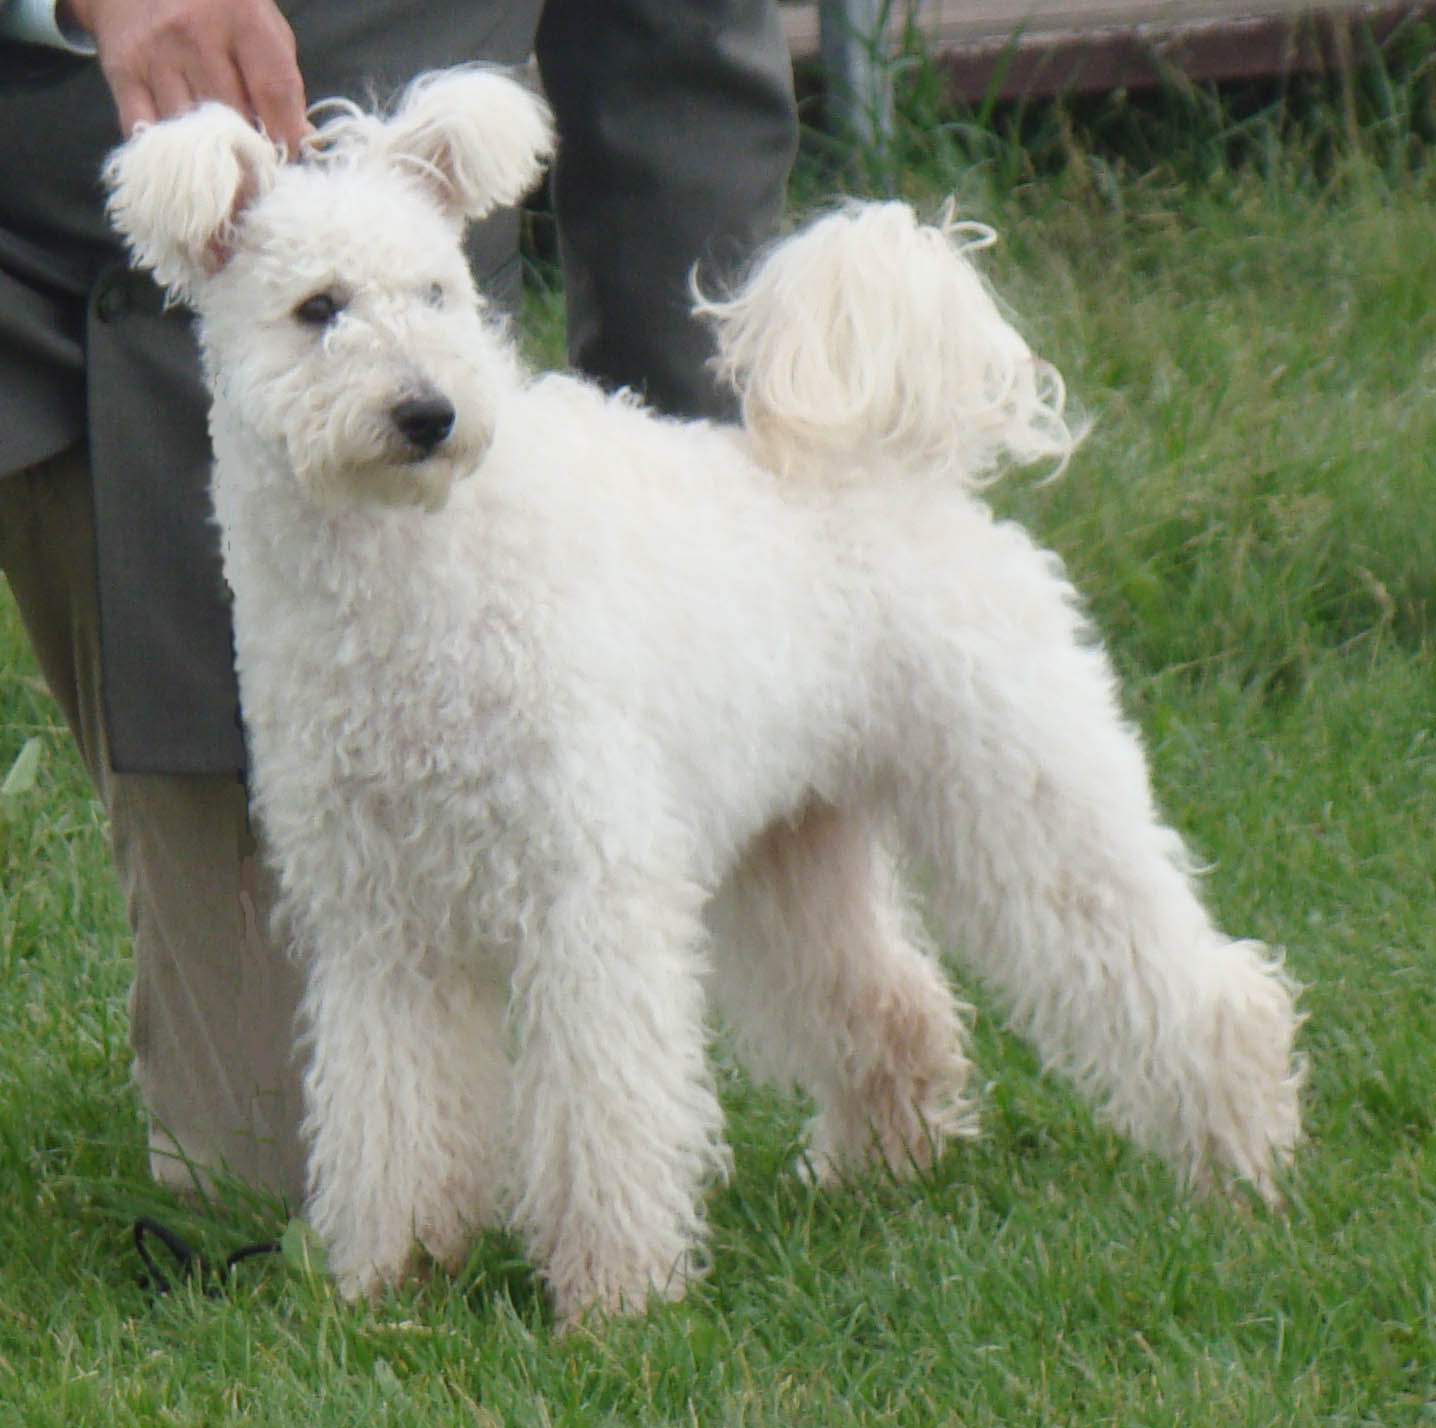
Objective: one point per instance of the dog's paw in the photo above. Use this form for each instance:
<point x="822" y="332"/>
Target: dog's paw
<point x="363" y="1283"/>
<point x="593" y="1287"/>
<point x="903" y="1124"/>
<point x="365" y="1276"/>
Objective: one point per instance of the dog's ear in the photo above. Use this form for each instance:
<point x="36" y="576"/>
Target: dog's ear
<point x="177" y="189"/>
<point x="476" y="134"/>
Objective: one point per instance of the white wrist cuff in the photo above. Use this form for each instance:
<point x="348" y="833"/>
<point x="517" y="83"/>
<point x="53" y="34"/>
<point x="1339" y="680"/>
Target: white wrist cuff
<point x="35" y="21"/>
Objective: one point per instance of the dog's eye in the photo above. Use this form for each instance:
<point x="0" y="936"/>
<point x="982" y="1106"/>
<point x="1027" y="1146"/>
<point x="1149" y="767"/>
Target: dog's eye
<point x="436" y="296"/>
<point x="319" y="310"/>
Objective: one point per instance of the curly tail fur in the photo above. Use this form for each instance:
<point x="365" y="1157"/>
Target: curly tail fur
<point x="870" y="337"/>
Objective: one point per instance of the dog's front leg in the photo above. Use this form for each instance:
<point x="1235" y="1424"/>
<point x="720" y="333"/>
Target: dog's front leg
<point x="406" y="1094"/>
<point x="617" y="1126"/>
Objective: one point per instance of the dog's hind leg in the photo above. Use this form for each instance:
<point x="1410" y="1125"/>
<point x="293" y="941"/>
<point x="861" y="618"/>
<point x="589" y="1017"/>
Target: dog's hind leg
<point x="1016" y="778"/>
<point x="407" y="1098"/>
<point x="824" y="983"/>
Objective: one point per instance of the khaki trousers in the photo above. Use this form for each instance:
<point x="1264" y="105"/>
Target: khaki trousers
<point x="212" y="1006"/>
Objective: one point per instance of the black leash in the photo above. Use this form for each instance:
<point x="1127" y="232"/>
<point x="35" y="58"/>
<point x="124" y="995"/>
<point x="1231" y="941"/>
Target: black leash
<point x="189" y="1264"/>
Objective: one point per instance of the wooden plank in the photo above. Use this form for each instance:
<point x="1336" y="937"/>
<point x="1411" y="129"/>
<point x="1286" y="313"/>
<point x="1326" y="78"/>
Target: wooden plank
<point x="1047" y="46"/>
<point x="961" y="21"/>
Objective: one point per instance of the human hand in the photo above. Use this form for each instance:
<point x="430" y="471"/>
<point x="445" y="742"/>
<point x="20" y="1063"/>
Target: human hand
<point x="161" y="57"/>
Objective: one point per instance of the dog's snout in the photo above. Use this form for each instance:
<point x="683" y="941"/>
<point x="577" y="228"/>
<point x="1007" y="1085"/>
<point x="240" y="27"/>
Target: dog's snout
<point x="424" y="422"/>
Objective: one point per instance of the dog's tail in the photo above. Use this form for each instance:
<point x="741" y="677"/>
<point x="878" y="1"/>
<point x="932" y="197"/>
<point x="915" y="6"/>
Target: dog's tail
<point x="870" y="337"/>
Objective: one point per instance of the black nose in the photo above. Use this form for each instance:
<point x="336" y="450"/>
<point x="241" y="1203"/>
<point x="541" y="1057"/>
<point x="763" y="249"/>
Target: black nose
<point x="424" y="422"/>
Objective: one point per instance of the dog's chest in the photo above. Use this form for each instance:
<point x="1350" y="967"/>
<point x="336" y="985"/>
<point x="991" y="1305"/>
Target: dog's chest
<point x="406" y="696"/>
<point x="381" y="661"/>
<point x="411" y="745"/>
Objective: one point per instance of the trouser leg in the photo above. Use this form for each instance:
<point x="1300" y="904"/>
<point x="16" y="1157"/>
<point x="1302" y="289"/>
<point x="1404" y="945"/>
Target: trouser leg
<point x="212" y="1004"/>
<point x="677" y="128"/>
<point x="47" y="554"/>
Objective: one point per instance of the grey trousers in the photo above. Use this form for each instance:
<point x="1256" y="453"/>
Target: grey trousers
<point x="677" y="129"/>
<point x="212" y="1004"/>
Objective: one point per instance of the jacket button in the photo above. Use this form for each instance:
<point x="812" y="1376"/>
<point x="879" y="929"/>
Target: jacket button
<point x="113" y="302"/>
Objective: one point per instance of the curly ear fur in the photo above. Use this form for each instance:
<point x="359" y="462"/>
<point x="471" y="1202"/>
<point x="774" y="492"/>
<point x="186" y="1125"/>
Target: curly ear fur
<point x="177" y="188"/>
<point x="478" y="135"/>
<point x="475" y="135"/>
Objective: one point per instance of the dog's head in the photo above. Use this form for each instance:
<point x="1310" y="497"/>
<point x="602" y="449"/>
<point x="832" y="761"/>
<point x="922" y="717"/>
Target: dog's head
<point x="340" y="324"/>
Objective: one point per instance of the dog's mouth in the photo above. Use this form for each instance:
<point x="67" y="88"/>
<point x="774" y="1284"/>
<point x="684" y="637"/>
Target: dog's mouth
<point x="394" y="479"/>
<point x="422" y="482"/>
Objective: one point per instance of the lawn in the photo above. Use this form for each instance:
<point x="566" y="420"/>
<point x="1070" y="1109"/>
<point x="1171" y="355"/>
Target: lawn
<point x="1244" y="306"/>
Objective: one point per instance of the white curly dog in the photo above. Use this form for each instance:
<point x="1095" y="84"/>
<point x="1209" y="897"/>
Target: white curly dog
<point x="567" y="720"/>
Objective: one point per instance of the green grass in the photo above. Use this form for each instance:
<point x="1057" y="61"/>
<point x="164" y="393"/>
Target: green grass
<point x="1246" y="310"/>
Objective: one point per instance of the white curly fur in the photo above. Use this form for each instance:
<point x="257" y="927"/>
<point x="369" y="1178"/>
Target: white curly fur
<point x="826" y="374"/>
<point x="571" y="721"/>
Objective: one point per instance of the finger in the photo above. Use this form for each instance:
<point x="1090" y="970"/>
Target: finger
<point x="278" y="104"/>
<point x="264" y="55"/>
<point x="170" y="91"/>
<point x="216" y="78"/>
<point x="134" y="104"/>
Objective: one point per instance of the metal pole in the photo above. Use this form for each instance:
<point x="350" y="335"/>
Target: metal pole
<point x="854" y="59"/>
